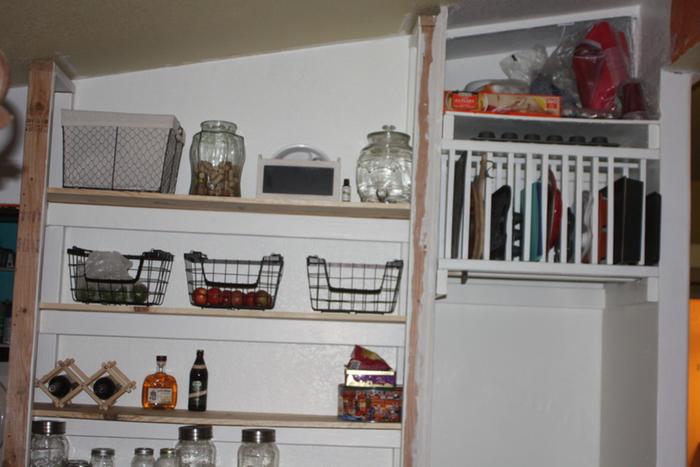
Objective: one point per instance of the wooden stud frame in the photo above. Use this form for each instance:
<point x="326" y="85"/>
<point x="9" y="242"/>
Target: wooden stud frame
<point x="110" y="368"/>
<point x="73" y="373"/>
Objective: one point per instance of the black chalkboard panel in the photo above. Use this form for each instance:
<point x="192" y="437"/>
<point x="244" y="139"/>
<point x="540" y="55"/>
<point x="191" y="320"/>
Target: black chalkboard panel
<point x="295" y="180"/>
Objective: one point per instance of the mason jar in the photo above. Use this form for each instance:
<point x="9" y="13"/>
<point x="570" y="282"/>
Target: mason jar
<point x="167" y="458"/>
<point x="385" y="167"/>
<point x="195" y="447"/>
<point x="102" y="457"/>
<point x="217" y="156"/>
<point x="49" y="446"/>
<point x="258" y="448"/>
<point x="143" y="457"/>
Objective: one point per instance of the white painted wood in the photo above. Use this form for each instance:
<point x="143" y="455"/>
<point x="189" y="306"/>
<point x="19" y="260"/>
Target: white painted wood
<point x="533" y="148"/>
<point x="52" y="264"/>
<point x="509" y="219"/>
<point x="595" y="186"/>
<point x="611" y="212"/>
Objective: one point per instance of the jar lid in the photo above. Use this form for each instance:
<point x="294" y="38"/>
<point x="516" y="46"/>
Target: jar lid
<point x="388" y="136"/>
<point x="258" y="435"/>
<point x="78" y="463"/>
<point x="143" y="451"/>
<point x="102" y="452"/>
<point x="218" y="125"/>
<point x="195" y="432"/>
<point x="167" y="451"/>
<point x="48" y="427"/>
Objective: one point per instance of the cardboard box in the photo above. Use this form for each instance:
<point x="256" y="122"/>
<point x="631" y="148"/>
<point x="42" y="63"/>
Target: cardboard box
<point x="370" y="378"/>
<point x="520" y="104"/>
<point x="370" y="404"/>
<point x="461" y="101"/>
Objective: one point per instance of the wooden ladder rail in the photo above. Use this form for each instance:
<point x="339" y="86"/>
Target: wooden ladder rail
<point x="44" y="79"/>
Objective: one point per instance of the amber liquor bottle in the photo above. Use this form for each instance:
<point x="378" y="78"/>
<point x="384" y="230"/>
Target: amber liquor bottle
<point x="199" y="377"/>
<point x="159" y="389"/>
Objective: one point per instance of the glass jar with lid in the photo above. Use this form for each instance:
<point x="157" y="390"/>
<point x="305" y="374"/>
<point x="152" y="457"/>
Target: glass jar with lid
<point x="385" y="167"/>
<point x="217" y="156"/>
<point x="78" y="463"/>
<point x="167" y="458"/>
<point x="49" y="446"/>
<point x="195" y="447"/>
<point x="143" y="457"/>
<point x="258" y="448"/>
<point x="102" y="457"/>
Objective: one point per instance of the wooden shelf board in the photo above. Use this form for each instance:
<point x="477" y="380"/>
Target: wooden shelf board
<point x="549" y="271"/>
<point x="214" y="203"/>
<point x="224" y="313"/>
<point x="211" y="417"/>
<point x="592" y="121"/>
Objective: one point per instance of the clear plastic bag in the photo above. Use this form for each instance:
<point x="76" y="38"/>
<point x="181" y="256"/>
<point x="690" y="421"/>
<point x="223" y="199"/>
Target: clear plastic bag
<point x="524" y="65"/>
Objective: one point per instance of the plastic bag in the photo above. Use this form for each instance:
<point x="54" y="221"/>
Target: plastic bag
<point x="108" y="265"/>
<point x="524" y="65"/>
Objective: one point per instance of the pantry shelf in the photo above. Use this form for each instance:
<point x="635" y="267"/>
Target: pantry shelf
<point x="210" y="417"/>
<point x="223" y="313"/>
<point x="225" y="204"/>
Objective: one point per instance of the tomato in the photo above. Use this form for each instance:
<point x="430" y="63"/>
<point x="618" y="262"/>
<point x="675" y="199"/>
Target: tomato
<point x="214" y="296"/>
<point x="263" y="299"/>
<point x="250" y="299"/>
<point x="226" y="298"/>
<point x="199" y="296"/>
<point x="237" y="299"/>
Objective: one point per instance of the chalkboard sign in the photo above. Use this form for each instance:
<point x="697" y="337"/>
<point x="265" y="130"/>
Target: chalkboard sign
<point x="304" y="179"/>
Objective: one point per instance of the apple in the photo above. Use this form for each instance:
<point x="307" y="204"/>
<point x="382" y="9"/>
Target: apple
<point x="249" y="300"/>
<point x="199" y="296"/>
<point x="237" y="299"/>
<point x="263" y="299"/>
<point x="214" y="296"/>
<point x="226" y="298"/>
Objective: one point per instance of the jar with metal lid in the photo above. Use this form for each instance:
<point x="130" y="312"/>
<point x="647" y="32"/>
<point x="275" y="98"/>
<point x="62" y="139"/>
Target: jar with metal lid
<point x="143" y="457"/>
<point x="195" y="447"/>
<point x="167" y="458"/>
<point x="217" y="156"/>
<point x="102" y="457"/>
<point x="385" y="167"/>
<point x="258" y="448"/>
<point x="49" y="446"/>
<point x="78" y="463"/>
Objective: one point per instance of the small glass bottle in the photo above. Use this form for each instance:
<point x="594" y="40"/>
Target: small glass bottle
<point x="159" y="389"/>
<point x="143" y="457"/>
<point x="167" y="458"/>
<point x="258" y="448"/>
<point x="199" y="377"/>
<point x="49" y="446"/>
<point x="102" y="457"/>
<point x="346" y="190"/>
<point x="195" y="448"/>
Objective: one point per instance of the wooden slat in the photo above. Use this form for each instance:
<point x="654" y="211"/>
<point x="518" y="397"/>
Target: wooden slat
<point x="210" y="417"/>
<point x="27" y="267"/>
<point x="225" y="204"/>
<point x="223" y="313"/>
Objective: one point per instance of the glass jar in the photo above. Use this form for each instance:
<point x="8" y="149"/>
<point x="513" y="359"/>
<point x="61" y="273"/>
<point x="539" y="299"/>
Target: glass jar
<point x="195" y="448"/>
<point x="49" y="446"/>
<point x="385" y="168"/>
<point x="258" y="449"/>
<point x="102" y="457"/>
<point x="167" y="458"/>
<point x="143" y="457"/>
<point x="78" y="463"/>
<point x="217" y="156"/>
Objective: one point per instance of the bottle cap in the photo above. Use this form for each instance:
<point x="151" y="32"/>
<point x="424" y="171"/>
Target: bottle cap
<point x="143" y="451"/>
<point x="167" y="452"/>
<point x="161" y="358"/>
<point x="346" y="182"/>
<point x="258" y="435"/>
<point x="78" y="463"/>
<point x="195" y="432"/>
<point x="97" y="452"/>
<point x="48" y="427"/>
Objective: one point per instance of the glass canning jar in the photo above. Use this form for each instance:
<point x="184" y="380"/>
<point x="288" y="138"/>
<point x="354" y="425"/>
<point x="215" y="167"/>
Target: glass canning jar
<point x="167" y="458"/>
<point x="102" y="457"/>
<point x="385" y="167"/>
<point x="258" y="449"/>
<point x="78" y="463"/>
<point x="217" y="156"/>
<point x="49" y="446"/>
<point x="143" y="457"/>
<point x="195" y="448"/>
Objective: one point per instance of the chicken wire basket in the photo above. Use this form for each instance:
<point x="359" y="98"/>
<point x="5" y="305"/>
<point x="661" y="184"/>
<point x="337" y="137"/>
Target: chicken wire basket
<point x="149" y="272"/>
<point x="230" y="283"/>
<point x="353" y="287"/>
<point x="120" y="151"/>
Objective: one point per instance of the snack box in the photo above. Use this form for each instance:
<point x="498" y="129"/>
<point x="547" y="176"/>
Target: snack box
<point x="357" y="404"/>
<point x="520" y="104"/>
<point x="461" y="101"/>
<point x="370" y="378"/>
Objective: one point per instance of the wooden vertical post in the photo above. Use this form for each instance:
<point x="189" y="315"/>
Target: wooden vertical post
<point x="32" y="214"/>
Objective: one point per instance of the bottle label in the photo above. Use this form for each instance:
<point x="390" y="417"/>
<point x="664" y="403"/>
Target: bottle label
<point x="160" y="395"/>
<point x="197" y="390"/>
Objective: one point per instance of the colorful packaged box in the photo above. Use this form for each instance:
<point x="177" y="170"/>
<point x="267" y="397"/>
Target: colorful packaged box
<point x="370" y="378"/>
<point x="520" y="104"/>
<point x="358" y="404"/>
<point x="459" y="101"/>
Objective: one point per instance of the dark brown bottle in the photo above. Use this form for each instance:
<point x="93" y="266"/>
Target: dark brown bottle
<point x="61" y="385"/>
<point x="199" y="377"/>
<point x="105" y="387"/>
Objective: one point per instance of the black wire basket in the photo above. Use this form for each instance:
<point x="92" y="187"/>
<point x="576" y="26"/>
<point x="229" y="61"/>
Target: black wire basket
<point x="353" y="287"/>
<point x="149" y="272"/>
<point x="232" y="283"/>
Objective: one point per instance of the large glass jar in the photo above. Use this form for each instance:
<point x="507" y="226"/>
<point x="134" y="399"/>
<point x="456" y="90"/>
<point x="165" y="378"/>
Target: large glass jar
<point x="49" y="446"/>
<point x="384" y="169"/>
<point x="217" y="155"/>
<point x="143" y="457"/>
<point x="258" y="449"/>
<point x="195" y="448"/>
<point x="102" y="457"/>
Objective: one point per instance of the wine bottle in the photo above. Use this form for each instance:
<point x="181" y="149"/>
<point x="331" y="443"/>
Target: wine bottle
<point x="199" y="377"/>
<point x="59" y="386"/>
<point x="105" y="387"/>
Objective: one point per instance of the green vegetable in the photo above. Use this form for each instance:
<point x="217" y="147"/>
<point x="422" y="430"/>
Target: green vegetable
<point x="140" y="293"/>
